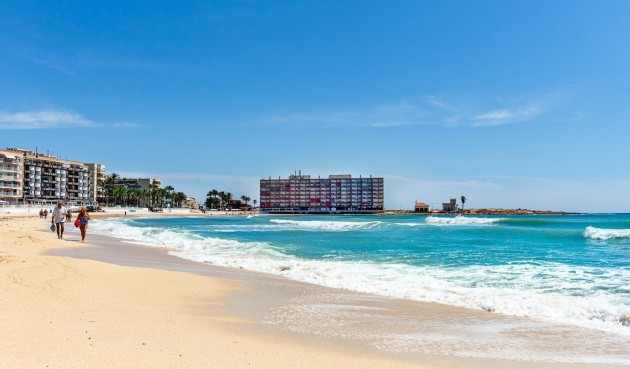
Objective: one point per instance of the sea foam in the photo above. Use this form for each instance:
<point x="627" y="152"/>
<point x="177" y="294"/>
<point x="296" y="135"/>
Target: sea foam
<point x="461" y="221"/>
<point x="606" y="234"/>
<point x="321" y="225"/>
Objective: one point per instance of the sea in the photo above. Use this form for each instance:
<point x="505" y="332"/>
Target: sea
<point x="564" y="269"/>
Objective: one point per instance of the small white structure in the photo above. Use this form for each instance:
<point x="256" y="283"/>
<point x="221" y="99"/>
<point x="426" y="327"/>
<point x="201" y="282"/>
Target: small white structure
<point x="421" y="207"/>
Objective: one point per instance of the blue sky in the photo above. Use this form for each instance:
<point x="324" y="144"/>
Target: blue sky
<point x="516" y="104"/>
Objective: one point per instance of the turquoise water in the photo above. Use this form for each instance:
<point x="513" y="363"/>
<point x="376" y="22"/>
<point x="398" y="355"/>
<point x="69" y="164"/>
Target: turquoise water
<point x="564" y="269"/>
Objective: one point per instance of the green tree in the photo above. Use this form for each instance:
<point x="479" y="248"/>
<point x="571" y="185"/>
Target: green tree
<point x="245" y="199"/>
<point x="142" y="197"/>
<point x="222" y="199"/>
<point x="153" y="195"/>
<point x="168" y="194"/>
<point x="179" y="198"/>
<point x="463" y="198"/>
<point x="163" y="194"/>
<point x="110" y="184"/>
<point x="119" y="194"/>
<point x="212" y="199"/>
<point x="133" y="196"/>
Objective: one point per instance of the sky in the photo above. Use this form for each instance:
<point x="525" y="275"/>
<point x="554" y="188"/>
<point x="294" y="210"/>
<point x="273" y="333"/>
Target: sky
<point x="513" y="104"/>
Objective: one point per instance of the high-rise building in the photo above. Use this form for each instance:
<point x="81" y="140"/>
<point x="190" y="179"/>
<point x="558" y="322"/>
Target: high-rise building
<point x="11" y="177"/>
<point x="96" y="178"/>
<point x="335" y="194"/>
<point x="47" y="178"/>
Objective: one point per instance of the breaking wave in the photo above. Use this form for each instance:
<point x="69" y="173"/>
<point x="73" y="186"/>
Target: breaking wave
<point x="461" y="221"/>
<point x="606" y="234"/>
<point x="322" y="225"/>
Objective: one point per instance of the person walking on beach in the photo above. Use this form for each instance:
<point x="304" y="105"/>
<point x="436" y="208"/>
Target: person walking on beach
<point x="58" y="218"/>
<point x="83" y="219"/>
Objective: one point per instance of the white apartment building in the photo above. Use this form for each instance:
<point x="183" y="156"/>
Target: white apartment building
<point x="96" y="177"/>
<point x="48" y="179"/>
<point x="11" y="177"/>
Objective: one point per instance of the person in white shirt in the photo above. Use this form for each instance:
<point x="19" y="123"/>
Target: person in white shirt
<point x="58" y="218"/>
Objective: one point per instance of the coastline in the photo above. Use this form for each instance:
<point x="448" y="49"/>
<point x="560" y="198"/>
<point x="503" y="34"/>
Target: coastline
<point x="111" y="283"/>
<point x="133" y="211"/>
<point x="488" y="211"/>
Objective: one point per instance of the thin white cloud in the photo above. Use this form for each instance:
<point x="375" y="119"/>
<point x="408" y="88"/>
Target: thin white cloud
<point x="127" y="125"/>
<point x="540" y="106"/>
<point x="73" y="65"/>
<point x="47" y="119"/>
<point x="402" y="113"/>
<point x="54" y="64"/>
<point x="43" y="119"/>
<point x="505" y="116"/>
<point x="440" y="104"/>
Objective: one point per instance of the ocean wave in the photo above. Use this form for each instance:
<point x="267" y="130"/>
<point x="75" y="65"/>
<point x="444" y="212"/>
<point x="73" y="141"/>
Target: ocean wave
<point x="582" y="296"/>
<point x="323" y="225"/>
<point x="410" y="224"/>
<point x="461" y="221"/>
<point x="184" y="241"/>
<point x="606" y="234"/>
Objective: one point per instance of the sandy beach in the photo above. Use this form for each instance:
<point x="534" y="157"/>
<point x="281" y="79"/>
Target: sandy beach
<point x="107" y="304"/>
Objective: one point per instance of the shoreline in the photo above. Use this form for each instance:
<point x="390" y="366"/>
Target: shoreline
<point x="287" y="310"/>
<point x="133" y="211"/>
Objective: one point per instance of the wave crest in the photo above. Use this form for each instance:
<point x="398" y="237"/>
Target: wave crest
<point x="322" y="225"/>
<point x="461" y="221"/>
<point x="605" y="234"/>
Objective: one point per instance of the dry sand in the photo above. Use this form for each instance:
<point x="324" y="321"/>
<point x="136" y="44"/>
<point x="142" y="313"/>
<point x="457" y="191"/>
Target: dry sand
<point x="73" y="312"/>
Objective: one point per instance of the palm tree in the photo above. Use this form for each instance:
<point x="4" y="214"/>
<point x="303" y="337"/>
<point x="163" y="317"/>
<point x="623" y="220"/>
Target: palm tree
<point x="245" y="199"/>
<point x="163" y="195"/>
<point x="169" y="193"/>
<point x="142" y="197"/>
<point x="119" y="194"/>
<point x="222" y="197"/>
<point x="110" y="184"/>
<point x="211" y="202"/>
<point x="179" y="197"/>
<point x="133" y="195"/>
<point x="212" y="198"/>
<point x="228" y="198"/>
<point x="463" y="198"/>
<point x="255" y="201"/>
<point x="153" y="194"/>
